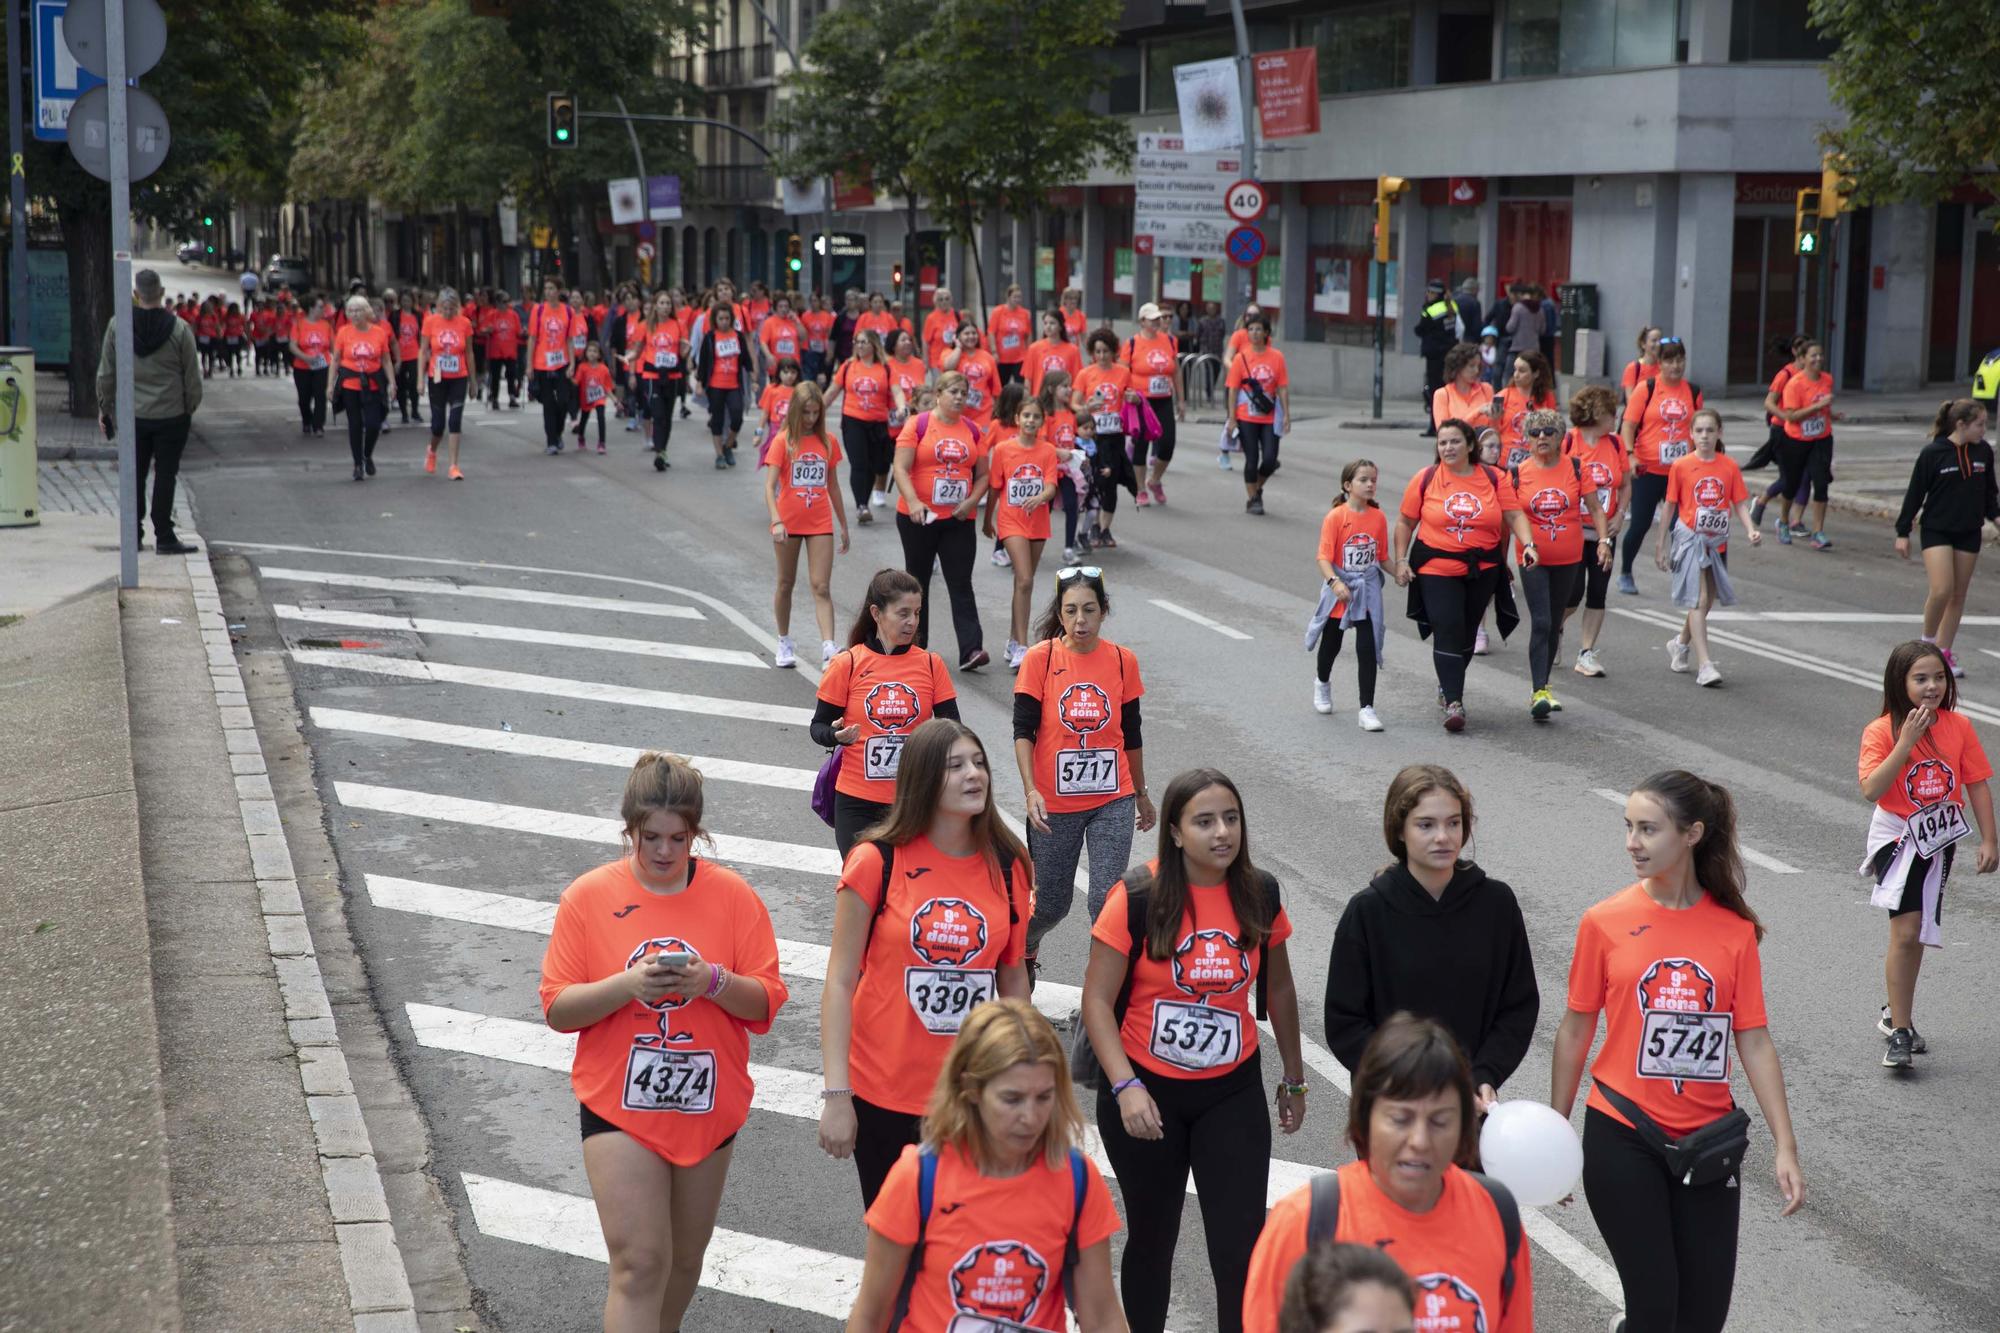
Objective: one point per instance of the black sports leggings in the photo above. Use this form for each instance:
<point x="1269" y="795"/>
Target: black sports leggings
<point x="869" y="455"/>
<point x="583" y="424"/>
<point x="665" y="390"/>
<point x="1674" y="1244"/>
<point x="1805" y="460"/>
<point x="1220" y="1129"/>
<point x="852" y="817"/>
<point x="951" y="542"/>
<point x="1546" y="588"/>
<point x="1364" y="660"/>
<point x="1648" y="489"/>
<point x="1455" y="604"/>
<point x="880" y="1135"/>
<point x="1114" y="469"/>
<point x="311" y="385"/>
<point x="552" y="389"/>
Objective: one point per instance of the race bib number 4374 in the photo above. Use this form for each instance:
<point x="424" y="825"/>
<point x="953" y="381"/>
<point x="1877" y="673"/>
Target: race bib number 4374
<point x="657" y="1079"/>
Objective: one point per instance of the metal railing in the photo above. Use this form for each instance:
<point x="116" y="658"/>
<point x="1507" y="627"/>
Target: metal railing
<point x="1191" y="374"/>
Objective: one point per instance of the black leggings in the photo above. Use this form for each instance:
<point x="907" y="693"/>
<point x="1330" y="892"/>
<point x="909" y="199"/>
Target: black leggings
<point x="447" y="407"/>
<point x="951" y="542"/>
<point x="552" y="391"/>
<point x="1066" y="492"/>
<point x="583" y="423"/>
<point x="1805" y="460"/>
<point x="1220" y="1129"/>
<point x="1455" y="604"/>
<point x="665" y="390"/>
<point x="1114" y="469"/>
<point x="1588" y="591"/>
<point x="406" y="388"/>
<point x="1364" y="660"/>
<point x="361" y="437"/>
<point x="494" y="365"/>
<point x="1546" y="588"/>
<point x="869" y="454"/>
<point x="1674" y="1244"/>
<point x="852" y="816"/>
<point x="1260" y="449"/>
<point x="311" y="385"/>
<point x="1163" y="447"/>
<point x="1648" y="489"/>
<point x="880" y="1135"/>
<point x="725" y="413"/>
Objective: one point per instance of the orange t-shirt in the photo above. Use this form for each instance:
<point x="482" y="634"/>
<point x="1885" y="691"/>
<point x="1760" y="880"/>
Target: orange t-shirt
<point x="864" y="389"/>
<point x="982" y="384"/>
<point x="1473" y="406"/>
<point x="1552" y="498"/>
<point x="1455" y="1255"/>
<point x="552" y="326"/>
<point x="1268" y="369"/>
<point x="1010" y="328"/>
<point x="1190" y="1015"/>
<point x="660" y="353"/>
<point x="1080" y="760"/>
<point x="1602" y="462"/>
<point x="1458" y="513"/>
<point x="315" y="338"/>
<point x="803" y="506"/>
<point x="818" y="326"/>
<point x="774" y="403"/>
<point x="1353" y="543"/>
<point x="1706" y="492"/>
<point x="1674" y="988"/>
<point x="1060" y="428"/>
<point x="1663" y="412"/>
<point x="1513" y="424"/>
<point x="908" y="375"/>
<point x="408" y="329"/>
<point x="1946" y="761"/>
<point x="1104" y="396"/>
<point x="992" y="1247"/>
<point x="940" y="336"/>
<point x="781" y="337"/>
<point x="451" y="346"/>
<point x="1045" y="355"/>
<point x="932" y="958"/>
<point x="882" y="326"/>
<point x="1778" y="383"/>
<point x="1636" y="371"/>
<point x="726" y="363"/>
<point x="1152" y="362"/>
<point x="945" y="457"/>
<point x="675" y="1075"/>
<point x="887" y="695"/>
<point x="1018" y="474"/>
<point x="1801" y="391"/>
<point x="593" y="384"/>
<point x="1075" y="323"/>
<point x="360" y="353"/>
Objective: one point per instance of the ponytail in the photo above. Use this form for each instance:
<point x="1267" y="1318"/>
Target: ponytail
<point x="1718" y="864"/>
<point x="1954" y="413"/>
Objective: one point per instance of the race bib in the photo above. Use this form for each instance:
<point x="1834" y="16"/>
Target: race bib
<point x="950" y="490"/>
<point x="1604" y="499"/>
<point x="1159" y="386"/>
<point x="975" y="398"/>
<point x="1196" y="1036"/>
<point x="1108" y="423"/>
<point x="1086" y="772"/>
<point x="1357" y="558"/>
<point x="941" y="997"/>
<point x="1812" y="428"/>
<point x="881" y="756"/>
<point x="552" y="358"/>
<point x="577" y="343"/>
<point x="1672" y="449"/>
<point x="663" y="360"/>
<point x="1937" y="826"/>
<point x="809" y="472"/>
<point x="449" y="365"/>
<point x="786" y="347"/>
<point x="658" y="1079"/>
<point x="593" y="394"/>
<point x="1023" y="491"/>
<point x="727" y="347"/>
<point x="317" y="363"/>
<point x="1010" y="340"/>
<point x="1517" y="454"/>
<point x="1711" y="522"/>
<point x="1684" y="1046"/>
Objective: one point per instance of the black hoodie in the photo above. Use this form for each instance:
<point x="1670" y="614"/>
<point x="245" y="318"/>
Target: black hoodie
<point x="1461" y="958"/>
<point x="1954" y="485"/>
<point x="151" y="327"/>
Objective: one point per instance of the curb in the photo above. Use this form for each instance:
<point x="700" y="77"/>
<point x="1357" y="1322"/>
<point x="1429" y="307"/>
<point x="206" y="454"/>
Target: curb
<point x="378" y="1284"/>
<point x="68" y="453"/>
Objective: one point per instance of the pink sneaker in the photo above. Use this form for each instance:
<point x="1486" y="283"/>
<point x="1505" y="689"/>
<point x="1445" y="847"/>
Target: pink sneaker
<point x="1159" y="493"/>
<point x="1952" y="661"/>
<point x="1142" y="499"/>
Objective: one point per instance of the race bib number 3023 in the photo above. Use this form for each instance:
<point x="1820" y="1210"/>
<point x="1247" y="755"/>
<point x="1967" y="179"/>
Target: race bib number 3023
<point x="657" y="1079"/>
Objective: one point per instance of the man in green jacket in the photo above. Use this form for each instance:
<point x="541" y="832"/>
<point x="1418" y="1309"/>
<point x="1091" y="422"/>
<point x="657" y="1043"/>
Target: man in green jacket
<point x="166" y="389"/>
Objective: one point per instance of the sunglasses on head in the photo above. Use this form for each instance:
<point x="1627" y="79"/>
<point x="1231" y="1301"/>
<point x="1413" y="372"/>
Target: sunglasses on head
<point x="1672" y="342"/>
<point x="1069" y="572"/>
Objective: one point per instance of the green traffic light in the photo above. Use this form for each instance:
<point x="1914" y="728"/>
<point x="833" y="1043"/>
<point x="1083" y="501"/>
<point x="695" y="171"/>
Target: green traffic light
<point x="207" y="221"/>
<point x="796" y="264"/>
<point x="1808" y="243"/>
<point x="211" y="249"/>
<point x="562" y="135"/>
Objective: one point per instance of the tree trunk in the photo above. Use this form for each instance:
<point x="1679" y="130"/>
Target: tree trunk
<point x="86" y="231"/>
<point x="912" y="282"/>
<point x="969" y="233"/>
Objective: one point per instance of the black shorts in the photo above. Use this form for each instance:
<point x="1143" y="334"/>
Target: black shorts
<point x="1588" y="591"/>
<point x="593" y="1123"/>
<point x="1967" y="542"/>
<point x="1913" y="884"/>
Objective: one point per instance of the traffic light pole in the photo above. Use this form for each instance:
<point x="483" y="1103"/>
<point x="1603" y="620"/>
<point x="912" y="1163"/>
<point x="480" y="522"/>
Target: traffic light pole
<point x="17" y="272"/>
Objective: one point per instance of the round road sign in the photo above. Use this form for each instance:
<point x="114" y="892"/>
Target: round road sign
<point x="1246" y="201"/>
<point x="1245" y="246"/>
<point x="645" y="250"/>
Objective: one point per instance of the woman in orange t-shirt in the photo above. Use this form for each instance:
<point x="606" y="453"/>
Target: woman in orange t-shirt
<point x="722" y="367"/>
<point x="1672" y="964"/>
<point x="1176" y="955"/>
<point x="914" y="953"/>
<point x="1658" y="416"/>
<point x="803" y="497"/>
<point x="1022" y="468"/>
<point x="1260" y="406"/>
<point x="1560" y="505"/>
<point x="1051" y="352"/>
<point x="664" y="966"/>
<point x="862" y="388"/>
<point x="982" y="375"/>
<point x="1705" y="494"/>
<point x="1012" y="329"/>
<point x="1806" y="406"/>
<point x="774" y="403"/>
<point x="310" y="341"/>
<point x="1412" y="1195"/>
<point x="1600" y="457"/>
<point x="941" y="479"/>
<point x="364" y="355"/>
<point x="444" y="362"/>
<point x="1465" y="395"/>
<point x="1154" y="360"/>
<point x="940" y="328"/>
<point x="1102" y="389"/>
<point x="1530" y="388"/>
<point x="1019" y="1221"/>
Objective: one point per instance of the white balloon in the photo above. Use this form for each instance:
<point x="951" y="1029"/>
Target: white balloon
<point x="1531" y="1150"/>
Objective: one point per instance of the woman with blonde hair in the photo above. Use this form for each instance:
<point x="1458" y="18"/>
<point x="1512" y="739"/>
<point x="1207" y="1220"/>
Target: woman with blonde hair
<point x="997" y="1212"/>
<point x="804" y="503"/>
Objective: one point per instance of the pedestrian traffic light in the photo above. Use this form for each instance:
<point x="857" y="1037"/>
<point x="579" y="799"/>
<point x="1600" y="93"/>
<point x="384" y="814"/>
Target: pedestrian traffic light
<point x="1388" y="189"/>
<point x="1805" y="223"/>
<point x="795" y="253"/>
<point x="562" y="120"/>
<point x="1836" y="187"/>
<point x="207" y="220"/>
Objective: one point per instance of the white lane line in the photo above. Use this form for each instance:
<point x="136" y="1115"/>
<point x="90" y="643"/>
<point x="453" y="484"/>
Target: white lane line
<point x="756" y="1267"/>
<point x="1198" y="618"/>
<point x="467" y="629"/>
<point x="485" y="591"/>
<point x="448" y="673"/>
<point x="563" y="824"/>
<point x="1842" y="617"/>
<point x="1750" y="854"/>
<point x="550" y="747"/>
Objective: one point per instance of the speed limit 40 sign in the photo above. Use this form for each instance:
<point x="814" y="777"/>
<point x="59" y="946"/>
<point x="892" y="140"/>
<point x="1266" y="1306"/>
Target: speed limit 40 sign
<point x="1246" y="201"/>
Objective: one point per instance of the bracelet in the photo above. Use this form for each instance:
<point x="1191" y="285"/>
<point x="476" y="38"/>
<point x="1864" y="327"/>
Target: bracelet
<point x="1118" y="1088"/>
<point x="717" y="981"/>
<point x="827" y="1094"/>
<point x="1295" y="1089"/>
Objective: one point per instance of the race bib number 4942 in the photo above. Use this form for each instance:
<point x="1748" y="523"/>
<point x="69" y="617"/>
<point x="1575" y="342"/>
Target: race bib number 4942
<point x="657" y="1079"/>
<point x="1937" y="826"/>
<point x="941" y="997"/>
<point x="1683" y="1045"/>
<point x="1196" y="1036"/>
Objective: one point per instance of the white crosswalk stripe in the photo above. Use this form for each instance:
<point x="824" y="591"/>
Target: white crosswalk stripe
<point x="484" y="591"/>
<point x="467" y="629"/>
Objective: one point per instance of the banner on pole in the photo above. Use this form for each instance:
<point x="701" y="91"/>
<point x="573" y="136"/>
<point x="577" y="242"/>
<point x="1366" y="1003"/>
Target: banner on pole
<point x="663" y="198"/>
<point x="627" y="201"/>
<point x="1211" y="103"/>
<point x="1287" y="92"/>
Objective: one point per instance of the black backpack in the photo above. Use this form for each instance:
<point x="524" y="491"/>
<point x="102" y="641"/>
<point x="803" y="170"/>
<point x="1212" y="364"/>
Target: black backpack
<point x="888" y="874"/>
<point x="1323" y="1221"/>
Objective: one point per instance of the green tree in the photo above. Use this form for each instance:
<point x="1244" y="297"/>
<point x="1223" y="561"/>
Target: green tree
<point x="1915" y="79"/>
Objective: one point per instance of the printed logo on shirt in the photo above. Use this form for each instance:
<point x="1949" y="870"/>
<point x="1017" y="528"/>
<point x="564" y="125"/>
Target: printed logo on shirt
<point x="1548" y="506"/>
<point x="947" y="932"/>
<point x="1461" y="510"/>
<point x="666" y="1004"/>
<point x="1598" y="475"/>
<point x="1928" y="782"/>
<point x="1447" y="1305"/>
<point x="1084" y="708"/>
<point x="1674" y="414"/>
<point x="1709" y="493"/>
<point x="1679" y="984"/>
<point x="891" y="706"/>
<point x="1211" y="962"/>
<point x="1002" y="1279"/>
<point x="951" y="451"/>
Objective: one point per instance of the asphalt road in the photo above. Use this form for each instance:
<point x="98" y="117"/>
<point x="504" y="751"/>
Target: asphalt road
<point x="461" y="800"/>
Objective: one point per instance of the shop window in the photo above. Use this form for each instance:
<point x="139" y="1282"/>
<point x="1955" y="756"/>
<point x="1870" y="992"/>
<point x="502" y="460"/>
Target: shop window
<point x="1775" y="30"/>
<point x="1339" y="250"/>
<point x="1546" y="37"/>
<point x="1361" y="50"/>
<point x="1163" y="55"/>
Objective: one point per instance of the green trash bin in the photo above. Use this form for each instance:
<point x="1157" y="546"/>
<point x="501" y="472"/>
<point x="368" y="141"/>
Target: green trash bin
<point x="20" y="494"/>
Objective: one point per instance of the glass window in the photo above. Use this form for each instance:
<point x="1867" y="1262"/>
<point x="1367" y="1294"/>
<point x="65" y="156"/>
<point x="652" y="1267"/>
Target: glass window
<point x="1361" y="50"/>
<point x="1575" y="36"/>
<point x="1465" y="41"/>
<point x="1163" y="55"/>
<point x="1775" y="30"/>
<point x="1339" y="246"/>
<point x="1123" y="83"/>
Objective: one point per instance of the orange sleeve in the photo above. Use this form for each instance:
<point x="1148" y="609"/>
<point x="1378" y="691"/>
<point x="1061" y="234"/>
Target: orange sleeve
<point x="1972" y="762"/>
<point x="1412" y="508"/>
<point x="941" y="686"/>
<point x="1875" y="745"/>
<point x="1674" y="486"/>
<point x="1329" y="537"/>
<point x="1520" y="1308"/>
<point x="833" y="681"/>
<point x="1279" y="1248"/>
<point x="1281" y="928"/>
<point x="1110" y="927"/>
<point x="565" y="962"/>
<point x="1034" y="669"/>
<point x="1738" y="493"/>
<point x="1586" y="969"/>
<point x="1746" y="1005"/>
<point x="908" y="439"/>
<point x="1284" y="378"/>
<point x="756" y="953"/>
<point x="893" y="1215"/>
<point x="1635" y="411"/>
<point x="862" y="875"/>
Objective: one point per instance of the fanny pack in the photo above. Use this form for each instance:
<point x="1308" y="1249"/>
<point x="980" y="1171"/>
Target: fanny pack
<point x="1260" y="401"/>
<point x="1704" y="1156"/>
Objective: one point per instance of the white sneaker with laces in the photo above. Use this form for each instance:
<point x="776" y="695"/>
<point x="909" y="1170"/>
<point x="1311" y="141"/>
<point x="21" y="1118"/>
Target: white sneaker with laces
<point x="1322" y="696"/>
<point x="1708" y="675"/>
<point x="827" y="648"/>
<point x="1479" y="644"/>
<point x="1016" y="654"/>
<point x="1677" y="655"/>
<point x="787" y="656"/>
<point x="878" y="499"/>
<point x="1069" y="555"/>
<point x="1370" y="722"/>
<point x="1001" y="558"/>
<point x="1587" y="663"/>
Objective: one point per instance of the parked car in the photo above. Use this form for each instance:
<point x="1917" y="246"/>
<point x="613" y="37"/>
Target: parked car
<point x="287" y="270"/>
<point x="189" y="252"/>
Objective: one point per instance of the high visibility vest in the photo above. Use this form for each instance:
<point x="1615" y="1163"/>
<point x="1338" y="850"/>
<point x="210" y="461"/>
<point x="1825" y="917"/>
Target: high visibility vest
<point x="1986" y="381"/>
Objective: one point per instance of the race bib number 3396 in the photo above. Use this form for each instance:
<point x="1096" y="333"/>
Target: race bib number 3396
<point x="941" y="997"/>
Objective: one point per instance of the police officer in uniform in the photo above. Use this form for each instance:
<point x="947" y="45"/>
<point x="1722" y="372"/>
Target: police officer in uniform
<point x="1986" y="384"/>
<point x="1437" y="330"/>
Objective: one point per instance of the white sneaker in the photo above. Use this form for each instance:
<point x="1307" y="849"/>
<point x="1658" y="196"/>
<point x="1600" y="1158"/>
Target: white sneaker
<point x="1222" y="460"/>
<point x="1587" y="663"/>
<point x="878" y="499"/>
<point x="1370" y="722"/>
<point x="1677" y="655"/>
<point x="1016" y="654"/>
<point x="786" y="656"/>
<point x="1001" y="558"/>
<point x="1479" y="645"/>
<point x="827" y="648"/>
<point x="1069" y="555"/>
<point x="1322" y="696"/>
<point x="1708" y="675"/>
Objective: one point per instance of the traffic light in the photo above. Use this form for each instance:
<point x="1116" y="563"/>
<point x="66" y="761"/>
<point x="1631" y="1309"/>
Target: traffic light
<point x="207" y="220"/>
<point x="1805" y="223"/>
<point x="896" y="277"/>
<point x="562" y="120"/>
<point x="1388" y="189"/>
<point x="795" y="253"/>
<point x="1835" y="187"/>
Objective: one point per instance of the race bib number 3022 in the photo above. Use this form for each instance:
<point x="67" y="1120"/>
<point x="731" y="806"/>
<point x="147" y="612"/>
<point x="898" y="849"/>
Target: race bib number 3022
<point x="657" y="1079"/>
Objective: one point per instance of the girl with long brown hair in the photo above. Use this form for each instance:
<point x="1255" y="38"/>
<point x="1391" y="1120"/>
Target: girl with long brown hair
<point x="803" y="497"/>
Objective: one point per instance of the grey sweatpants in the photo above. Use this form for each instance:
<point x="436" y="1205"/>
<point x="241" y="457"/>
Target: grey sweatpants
<point x="1108" y="831"/>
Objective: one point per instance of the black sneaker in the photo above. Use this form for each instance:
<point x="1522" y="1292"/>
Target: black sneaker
<point x="1918" y="1046"/>
<point x="1898" y="1055"/>
<point x="175" y="546"/>
<point x="1254" y="505"/>
<point x="368" y="465"/>
<point x="659" y="462"/>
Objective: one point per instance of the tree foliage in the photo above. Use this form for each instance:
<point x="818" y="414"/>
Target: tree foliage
<point x="1915" y="79"/>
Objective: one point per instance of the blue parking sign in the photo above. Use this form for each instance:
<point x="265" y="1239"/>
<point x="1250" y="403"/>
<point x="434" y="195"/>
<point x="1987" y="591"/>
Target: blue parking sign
<point x="59" y="80"/>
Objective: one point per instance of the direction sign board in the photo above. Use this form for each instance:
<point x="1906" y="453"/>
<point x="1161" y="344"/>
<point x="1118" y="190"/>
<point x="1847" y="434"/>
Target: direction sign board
<point x="1246" y="201"/>
<point x="59" y="80"/>
<point x="1178" y="206"/>
<point x="1246" y="246"/>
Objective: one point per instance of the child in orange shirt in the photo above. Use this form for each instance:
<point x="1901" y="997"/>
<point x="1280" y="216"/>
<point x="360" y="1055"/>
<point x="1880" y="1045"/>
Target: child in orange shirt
<point x="774" y="402"/>
<point x="1704" y="493"/>
<point x="1353" y="539"/>
<point x="594" y="388"/>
